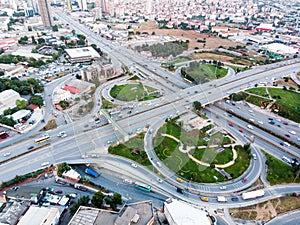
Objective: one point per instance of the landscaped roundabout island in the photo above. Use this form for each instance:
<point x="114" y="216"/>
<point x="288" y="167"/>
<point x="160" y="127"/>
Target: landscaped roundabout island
<point x="204" y="154"/>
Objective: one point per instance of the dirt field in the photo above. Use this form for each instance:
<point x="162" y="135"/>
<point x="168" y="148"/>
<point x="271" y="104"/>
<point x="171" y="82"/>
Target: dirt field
<point x="191" y="35"/>
<point x="267" y="210"/>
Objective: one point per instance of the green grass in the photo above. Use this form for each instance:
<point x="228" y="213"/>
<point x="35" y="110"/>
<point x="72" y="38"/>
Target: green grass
<point x="238" y="68"/>
<point x="241" y="164"/>
<point x="261" y="91"/>
<point x="202" y="73"/>
<point x="178" y="59"/>
<point x="167" y="150"/>
<point x="289" y="103"/>
<point x="132" y="149"/>
<point x="210" y="155"/>
<point x="279" y="172"/>
<point x="106" y="104"/>
<point x="130" y="92"/>
<point x="255" y="100"/>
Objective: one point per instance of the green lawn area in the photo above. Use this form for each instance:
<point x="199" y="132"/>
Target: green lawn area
<point x="210" y="155"/>
<point x="279" y="172"/>
<point x="167" y="151"/>
<point x="106" y="104"/>
<point x="255" y="100"/>
<point x="131" y="92"/>
<point x="202" y="73"/>
<point x="241" y="164"/>
<point x="238" y="68"/>
<point x="132" y="149"/>
<point x="261" y="91"/>
<point x="178" y="59"/>
<point x="289" y="103"/>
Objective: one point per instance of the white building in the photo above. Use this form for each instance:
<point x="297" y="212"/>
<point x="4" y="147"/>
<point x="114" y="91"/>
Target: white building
<point x="280" y="49"/>
<point x="82" y="54"/>
<point x="8" y="99"/>
<point x="180" y="213"/>
<point x="61" y="95"/>
<point x="40" y="216"/>
<point x="19" y="115"/>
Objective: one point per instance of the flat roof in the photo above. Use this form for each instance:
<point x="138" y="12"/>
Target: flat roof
<point x="38" y="215"/>
<point x="82" y="52"/>
<point x="184" y="214"/>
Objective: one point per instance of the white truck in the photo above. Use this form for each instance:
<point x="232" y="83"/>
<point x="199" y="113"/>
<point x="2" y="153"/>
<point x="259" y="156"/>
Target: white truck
<point x="253" y="194"/>
<point x="221" y="199"/>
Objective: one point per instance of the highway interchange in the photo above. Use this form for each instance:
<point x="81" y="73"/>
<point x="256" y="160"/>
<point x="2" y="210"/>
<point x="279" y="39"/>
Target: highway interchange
<point x="87" y="143"/>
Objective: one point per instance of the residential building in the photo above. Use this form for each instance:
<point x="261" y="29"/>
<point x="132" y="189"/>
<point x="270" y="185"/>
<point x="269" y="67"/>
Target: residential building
<point x="140" y="213"/>
<point x="40" y="216"/>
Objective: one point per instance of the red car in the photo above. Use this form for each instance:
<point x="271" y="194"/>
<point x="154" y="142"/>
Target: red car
<point x="244" y="180"/>
<point x="231" y="124"/>
<point x="59" y="191"/>
<point x="241" y="131"/>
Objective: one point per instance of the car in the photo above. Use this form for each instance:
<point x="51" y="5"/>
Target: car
<point x="158" y="163"/>
<point x="6" y="154"/>
<point x="285" y="123"/>
<point x="250" y="111"/>
<point x="252" y="120"/>
<point x="58" y="191"/>
<point x="231" y="124"/>
<point x="244" y="180"/>
<point x="234" y="199"/>
<point x="250" y="126"/>
<point x="287" y="135"/>
<point x="260" y="122"/>
<point x="281" y="143"/>
<point x="62" y="134"/>
<point x="73" y="195"/>
<point x="179" y="180"/>
<point x="292" y="132"/>
<point x="159" y="180"/>
<point x="205" y="199"/>
<point x="240" y="130"/>
<point x="45" y="163"/>
<point x="223" y="188"/>
<point x="48" y="189"/>
<point x="133" y="165"/>
<point x="179" y="190"/>
<point x="254" y="156"/>
<point x="30" y="147"/>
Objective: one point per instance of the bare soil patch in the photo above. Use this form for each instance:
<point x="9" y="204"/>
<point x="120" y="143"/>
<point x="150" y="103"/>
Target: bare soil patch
<point x="267" y="210"/>
<point x="191" y="35"/>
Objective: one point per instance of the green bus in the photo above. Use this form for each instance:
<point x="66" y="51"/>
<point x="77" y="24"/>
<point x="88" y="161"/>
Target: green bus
<point x="144" y="187"/>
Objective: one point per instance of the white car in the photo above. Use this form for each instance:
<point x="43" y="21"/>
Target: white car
<point x="252" y="120"/>
<point x="45" y="163"/>
<point x="7" y="154"/>
<point x="260" y="122"/>
<point x="292" y="132"/>
<point x="134" y="165"/>
<point x="250" y="126"/>
<point x="159" y="180"/>
<point x="62" y="134"/>
<point x="223" y="188"/>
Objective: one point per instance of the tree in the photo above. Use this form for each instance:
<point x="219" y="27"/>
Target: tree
<point x="117" y="198"/>
<point x="37" y="100"/>
<point x="197" y="105"/>
<point x="82" y="201"/>
<point x="55" y="28"/>
<point x="64" y="104"/>
<point x="41" y="41"/>
<point x="21" y="104"/>
<point x="97" y="199"/>
<point x="62" y="38"/>
<point x="33" y="40"/>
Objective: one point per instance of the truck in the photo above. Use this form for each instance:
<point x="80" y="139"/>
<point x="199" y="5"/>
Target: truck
<point x="80" y="187"/>
<point x="253" y="194"/>
<point x="91" y="172"/>
<point x="221" y="199"/>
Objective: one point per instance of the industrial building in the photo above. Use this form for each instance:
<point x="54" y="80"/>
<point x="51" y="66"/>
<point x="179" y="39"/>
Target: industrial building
<point x="8" y="99"/>
<point x="84" y="54"/>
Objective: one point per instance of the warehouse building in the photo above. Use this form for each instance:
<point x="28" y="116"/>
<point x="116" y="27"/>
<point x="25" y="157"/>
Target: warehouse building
<point x="86" y="54"/>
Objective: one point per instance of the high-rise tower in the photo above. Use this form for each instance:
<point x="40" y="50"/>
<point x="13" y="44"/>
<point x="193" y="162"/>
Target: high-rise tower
<point x="45" y="12"/>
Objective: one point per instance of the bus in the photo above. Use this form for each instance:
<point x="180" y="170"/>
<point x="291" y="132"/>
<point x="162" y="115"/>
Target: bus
<point x="144" y="187"/>
<point x="44" y="138"/>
